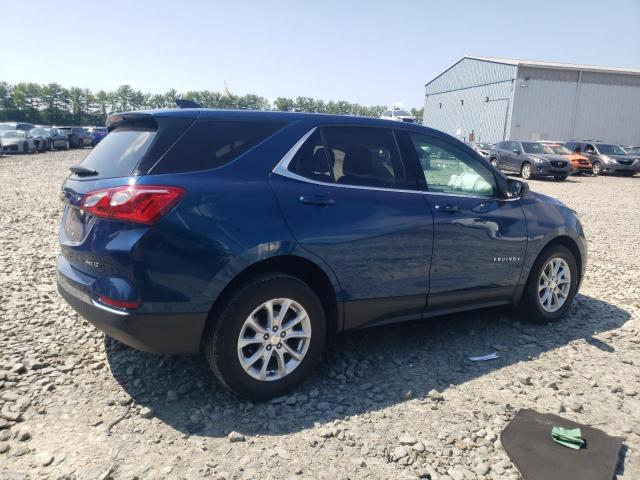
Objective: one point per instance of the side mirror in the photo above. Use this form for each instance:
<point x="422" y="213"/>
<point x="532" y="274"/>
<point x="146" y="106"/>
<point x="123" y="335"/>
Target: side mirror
<point x="516" y="188"/>
<point x="515" y="150"/>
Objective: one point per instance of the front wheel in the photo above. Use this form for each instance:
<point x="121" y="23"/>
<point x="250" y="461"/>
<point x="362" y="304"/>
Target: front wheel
<point x="494" y="162"/>
<point x="67" y="145"/>
<point x="560" y="178"/>
<point x="266" y="337"/>
<point x="595" y="169"/>
<point x="526" y="171"/>
<point x="552" y="284"/>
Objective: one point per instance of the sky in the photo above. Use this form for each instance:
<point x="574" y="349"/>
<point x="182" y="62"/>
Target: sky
<point x="368" y="52"/>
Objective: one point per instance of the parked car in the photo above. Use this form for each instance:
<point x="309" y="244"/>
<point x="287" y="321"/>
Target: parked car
<point x="482" y="148"/>
<point x="256" y="235"/>
<point x="398" y="115"/>
<point x="98" y="134"/>
<point x="579" y="163"/>
<point x="529" y="159"/>
<point x="606" y="157"/>
<point x="78" y="136"/>
<point x="41" y="137"/>
<point x="17" y="141"/>
<point x="59" y="140"/>
<point x="23" y="126"/>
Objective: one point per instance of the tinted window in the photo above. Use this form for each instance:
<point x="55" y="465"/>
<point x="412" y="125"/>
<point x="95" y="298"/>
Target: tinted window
<point x="211" y="144"/>
<point x="532" y="147"/>
<point x="449" y="170"/>
<point x="119" y="153"/>
<point x="607" y="149"/>
<point x="310" y="160"/>
<point x="365" y="157"/>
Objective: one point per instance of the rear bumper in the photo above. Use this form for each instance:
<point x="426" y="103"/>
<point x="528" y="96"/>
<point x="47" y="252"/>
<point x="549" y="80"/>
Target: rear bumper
<point x="148" y="332"/>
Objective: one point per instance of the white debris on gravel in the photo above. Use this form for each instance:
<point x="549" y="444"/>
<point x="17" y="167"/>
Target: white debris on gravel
<point x="400" y="401"/>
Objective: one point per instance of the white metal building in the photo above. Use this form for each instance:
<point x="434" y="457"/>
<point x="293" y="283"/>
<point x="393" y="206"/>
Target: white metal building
<point x="499" y="99"/>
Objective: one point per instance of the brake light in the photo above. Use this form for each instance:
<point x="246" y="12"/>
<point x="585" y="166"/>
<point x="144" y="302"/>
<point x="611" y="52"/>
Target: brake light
<point x="132" y="203"/>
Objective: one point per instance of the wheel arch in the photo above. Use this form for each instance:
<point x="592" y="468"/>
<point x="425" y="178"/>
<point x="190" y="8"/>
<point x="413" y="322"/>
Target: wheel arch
<point x="296" y="266"/>
<point x="567" y="242"/>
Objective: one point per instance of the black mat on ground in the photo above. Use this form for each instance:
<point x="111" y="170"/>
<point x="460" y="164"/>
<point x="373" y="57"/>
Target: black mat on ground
<point x="527" y="440"/>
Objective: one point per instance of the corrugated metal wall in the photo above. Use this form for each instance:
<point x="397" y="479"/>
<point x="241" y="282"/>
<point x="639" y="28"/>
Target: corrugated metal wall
<point x="455" y="102"/>
<point x="553" y="105"/>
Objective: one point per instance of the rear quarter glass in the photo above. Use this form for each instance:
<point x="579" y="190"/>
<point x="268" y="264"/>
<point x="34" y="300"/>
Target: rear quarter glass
<point x="118" y="154"/>
<point x="209" y="144"/>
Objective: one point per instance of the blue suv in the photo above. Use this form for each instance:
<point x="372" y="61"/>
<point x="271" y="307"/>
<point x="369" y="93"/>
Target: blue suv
<point x="255" y="236"/>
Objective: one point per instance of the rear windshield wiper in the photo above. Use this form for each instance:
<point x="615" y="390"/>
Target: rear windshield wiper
<point x="80" y="170"/>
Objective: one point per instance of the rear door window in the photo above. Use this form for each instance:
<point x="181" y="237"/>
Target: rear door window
<point x="365" y="156"/>
<point x="118" y="154"/>
<point x="211" y="144"/>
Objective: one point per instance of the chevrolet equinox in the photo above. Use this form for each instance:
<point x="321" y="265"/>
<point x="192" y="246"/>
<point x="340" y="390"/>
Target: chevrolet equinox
<point x="254" y="236"/>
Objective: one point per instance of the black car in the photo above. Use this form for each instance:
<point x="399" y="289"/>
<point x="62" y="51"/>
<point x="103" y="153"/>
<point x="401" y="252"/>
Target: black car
<point x="78" y="136"/>
<point x="529" y="159"/>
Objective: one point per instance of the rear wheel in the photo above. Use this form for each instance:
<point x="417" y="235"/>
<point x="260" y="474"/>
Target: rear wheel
<point x="266" y="337"/>
<point x="52" y="147"/>
<point x="526" y="171"/>
<point x="552" y="284"/>
<point x="25" y="147"/>
<point x="595" y="169"/>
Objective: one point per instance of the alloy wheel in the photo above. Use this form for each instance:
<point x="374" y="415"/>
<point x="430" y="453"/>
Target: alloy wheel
<point x="596" y="169"/>
<point x="494" y="162"/>
<point x="274" y="339"/>
<point x="554" y="285"/>
<point x="526" y="171"/>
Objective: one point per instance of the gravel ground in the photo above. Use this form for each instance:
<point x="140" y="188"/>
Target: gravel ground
<point x="400" y="401"/>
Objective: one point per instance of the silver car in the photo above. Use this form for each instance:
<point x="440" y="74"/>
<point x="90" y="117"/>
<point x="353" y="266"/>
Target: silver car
<point x="17" y="141"/>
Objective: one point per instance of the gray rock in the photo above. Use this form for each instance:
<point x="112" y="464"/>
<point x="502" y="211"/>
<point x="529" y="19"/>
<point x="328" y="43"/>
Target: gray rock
<point x="406" y="439"/>
<point x="236" y="437"/>
<point x="398" y="453"/>
<point x="24" y="434"/>
<point x="146" y="412"/>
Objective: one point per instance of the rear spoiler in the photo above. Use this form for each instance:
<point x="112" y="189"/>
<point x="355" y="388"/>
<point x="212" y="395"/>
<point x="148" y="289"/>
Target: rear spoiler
<point x="142" y="121"/>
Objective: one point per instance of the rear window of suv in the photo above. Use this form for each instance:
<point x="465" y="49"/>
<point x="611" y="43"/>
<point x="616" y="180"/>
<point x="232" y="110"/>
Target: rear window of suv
<point x="211" y="144"/>
<point x="119" y="153"/>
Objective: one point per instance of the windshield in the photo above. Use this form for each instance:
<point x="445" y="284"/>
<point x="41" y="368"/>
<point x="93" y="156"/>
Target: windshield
<point x="12" y="134"/>
<point x="532" y="147"/>
<point x="559" y="149"/>
<point x="38" y="131"/>
<point x="401" y="113"/>
<point x="606" y="149"/>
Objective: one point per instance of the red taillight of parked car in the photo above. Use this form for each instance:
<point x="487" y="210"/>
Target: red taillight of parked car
<point x="134" y="203"/>
<point x="118" y="303"/>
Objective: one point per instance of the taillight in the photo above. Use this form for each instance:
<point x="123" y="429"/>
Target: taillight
<point x="134" y="203"/>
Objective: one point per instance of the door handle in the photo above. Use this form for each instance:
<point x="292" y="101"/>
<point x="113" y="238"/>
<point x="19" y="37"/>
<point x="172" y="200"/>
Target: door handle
<point x="447" y="208"/>
<point x="317" y="200"/>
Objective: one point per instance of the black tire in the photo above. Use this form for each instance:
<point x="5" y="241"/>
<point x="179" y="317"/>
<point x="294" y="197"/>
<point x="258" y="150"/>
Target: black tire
<point x="530" y="306"/>
<point x="25" y="148"/>
<point x="224" y="328"/>
<point x="52" y="147"/>
<point x="560" y="178"/>
<point x="67" y="145"/>
<point x="596" y="169"/>
<point x="494" y="162"/>
<point x="526" y="171"/>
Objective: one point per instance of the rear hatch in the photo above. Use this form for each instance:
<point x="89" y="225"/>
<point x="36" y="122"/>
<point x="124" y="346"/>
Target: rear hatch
<point x="93" y="245"/>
